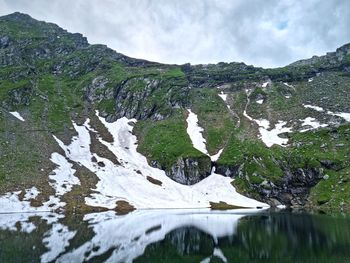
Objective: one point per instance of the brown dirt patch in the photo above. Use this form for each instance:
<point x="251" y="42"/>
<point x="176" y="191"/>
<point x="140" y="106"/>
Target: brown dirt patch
<point x="154" y="181"/>
<point x="75" y="199"/>
<point x="123" y="207"/>
<point x="224" y="206"/>
<point x="101" y="150"/>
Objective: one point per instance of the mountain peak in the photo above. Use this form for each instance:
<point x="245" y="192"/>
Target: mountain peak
<point x="17" y="16"/>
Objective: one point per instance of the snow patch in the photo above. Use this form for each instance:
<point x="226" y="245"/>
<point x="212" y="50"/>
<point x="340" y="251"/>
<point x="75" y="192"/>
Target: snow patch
<point x="223" y="96"/>
<point x="63" y="178"/>
<point x="312" y="122"/>
<point x="316" y="108"/>
<point x="344" y="115"/>
<point x="10" y="203"/>
<point x="195" y="132"/>
<point x="31" y="193"/>
<point x="17" y="115"/>
<point x="123" y="182"/>
<point x="260" y="101"/>
<point x="288" y="85"/>
<point x="216" y="157"/>
<point x="270" y="137"/>
<point x="263" y="123"/>
<point x="310" y="79"/>
<point x="264" y="85"/>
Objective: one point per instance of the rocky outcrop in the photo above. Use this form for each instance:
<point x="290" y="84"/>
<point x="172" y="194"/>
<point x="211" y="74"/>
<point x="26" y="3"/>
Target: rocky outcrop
<point x="20" y="96"/>
<point x="4" y="41"/>
<point x="188" y="171"/>
<point x="292" y="189"/>
<point x="147" y="98"/>
<point x="229" y="171"/>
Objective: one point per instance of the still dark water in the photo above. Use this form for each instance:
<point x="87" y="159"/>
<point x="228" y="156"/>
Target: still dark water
<point x="175" y="236"/>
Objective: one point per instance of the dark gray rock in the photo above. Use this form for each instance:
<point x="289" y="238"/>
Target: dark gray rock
<point x="188" y="171"/>
<point x="4" y="42"/>
<point x="20" y="96"/>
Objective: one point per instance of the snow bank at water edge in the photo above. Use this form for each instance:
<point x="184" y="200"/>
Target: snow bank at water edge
<point x="15" y="212"/>
<point x="128" y="181"/>
<point x="11" y="203"/>
<point x="17" y="115"/>
<point x="132" y="241"/>
<point x="62" y="180"/>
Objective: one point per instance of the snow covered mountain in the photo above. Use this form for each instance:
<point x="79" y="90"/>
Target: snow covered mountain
<point x="85" y="128"/>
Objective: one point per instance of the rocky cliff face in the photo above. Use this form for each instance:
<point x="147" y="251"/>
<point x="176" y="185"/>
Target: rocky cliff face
<point x="292" y="189"/>
<point x="189" y="171"/>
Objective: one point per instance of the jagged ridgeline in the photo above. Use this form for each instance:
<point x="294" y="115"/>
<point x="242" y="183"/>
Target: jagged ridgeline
<point x="284" y="132"/>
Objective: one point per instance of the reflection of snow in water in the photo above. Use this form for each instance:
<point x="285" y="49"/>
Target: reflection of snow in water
<point x="56" y="240"/>
<point x="133" y="237"/>
<point x="126" y="237"/>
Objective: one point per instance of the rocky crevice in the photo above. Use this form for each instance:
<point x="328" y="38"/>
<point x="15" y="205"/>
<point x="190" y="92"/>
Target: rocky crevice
<point x="187" y="170"/>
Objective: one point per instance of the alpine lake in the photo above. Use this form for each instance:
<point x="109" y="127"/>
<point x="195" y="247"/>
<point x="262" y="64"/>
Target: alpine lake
<point x="176" y="236"/>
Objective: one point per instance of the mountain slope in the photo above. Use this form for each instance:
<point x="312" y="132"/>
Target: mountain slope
<point x="52" y="77"/>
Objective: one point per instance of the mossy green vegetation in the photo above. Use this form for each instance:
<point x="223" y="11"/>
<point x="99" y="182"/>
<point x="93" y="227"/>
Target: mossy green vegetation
<point x="213" y="117"/>
<point x="165" y="141"/>
<point x="325" y="150"/>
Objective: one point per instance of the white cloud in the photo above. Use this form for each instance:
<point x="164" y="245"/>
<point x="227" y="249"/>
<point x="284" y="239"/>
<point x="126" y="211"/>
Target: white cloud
<point x="264" y="33"/>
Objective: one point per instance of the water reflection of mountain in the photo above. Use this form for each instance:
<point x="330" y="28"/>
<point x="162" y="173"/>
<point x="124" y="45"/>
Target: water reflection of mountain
<point x="177" y="236"/>
<point x="277" y="237"/>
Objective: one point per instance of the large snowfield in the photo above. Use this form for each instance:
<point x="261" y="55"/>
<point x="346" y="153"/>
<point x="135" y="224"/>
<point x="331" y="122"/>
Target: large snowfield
<point x="128" y="181"/>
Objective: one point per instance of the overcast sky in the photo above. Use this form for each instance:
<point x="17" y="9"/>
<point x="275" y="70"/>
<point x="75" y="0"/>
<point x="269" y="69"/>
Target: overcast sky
<point x="266" y="33"/>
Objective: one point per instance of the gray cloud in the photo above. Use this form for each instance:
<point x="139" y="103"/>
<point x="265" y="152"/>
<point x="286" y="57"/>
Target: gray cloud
<point x="265" y="33"/>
